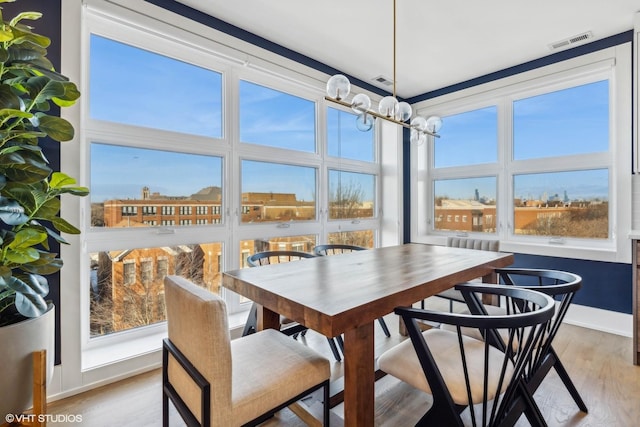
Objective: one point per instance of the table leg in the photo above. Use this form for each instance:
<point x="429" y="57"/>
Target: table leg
<point x="267" y="319"/>
<point x="359" y="376"/>
<point x="491" y="278"/>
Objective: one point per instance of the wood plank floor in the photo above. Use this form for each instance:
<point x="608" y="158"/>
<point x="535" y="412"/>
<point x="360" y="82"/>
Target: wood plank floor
<point x="600" y="365"/>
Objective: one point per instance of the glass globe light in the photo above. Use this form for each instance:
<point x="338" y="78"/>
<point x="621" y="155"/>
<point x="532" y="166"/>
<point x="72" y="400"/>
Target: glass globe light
<point x="364" y="122"/>
<point x="404" y="112"/>
<point x="434" y="123"/>
<point x="419" y="123"/>
<point x="417" y="137"/>
<point x="338" y="87"/>
<point x="360" y="103"/>
<point x="388" y="106"/>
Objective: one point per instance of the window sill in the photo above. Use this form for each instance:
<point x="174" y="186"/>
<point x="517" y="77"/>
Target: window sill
<point x="127" y="345"/>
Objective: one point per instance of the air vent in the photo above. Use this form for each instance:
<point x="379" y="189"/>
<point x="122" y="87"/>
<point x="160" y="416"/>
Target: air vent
<point x="571" y="41"/>
<point x="382" y="79"/>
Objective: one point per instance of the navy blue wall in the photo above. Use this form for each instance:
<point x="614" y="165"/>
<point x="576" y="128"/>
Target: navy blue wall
<point x="605" y="285"/>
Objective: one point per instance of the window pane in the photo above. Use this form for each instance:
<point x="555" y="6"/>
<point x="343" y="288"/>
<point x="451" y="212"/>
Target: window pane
<point x="565" y="122"/>
<point x="127" y="289"/>
<point x="563" y="204"/>
<point x="471" y="138"/>
<point x="277" y="192"/>
<point x="137" y="87"/>
<point x="351" y="195"/>
<point x="135" y="187"/>
<point x="362" y="238"/>
<point x="465" y="204"/>
<point x="276" y="119"/>
<point x="345" y="140"/>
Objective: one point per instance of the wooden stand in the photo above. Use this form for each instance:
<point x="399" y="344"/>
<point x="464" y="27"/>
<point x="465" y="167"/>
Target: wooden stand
<point x="39" y="392"/>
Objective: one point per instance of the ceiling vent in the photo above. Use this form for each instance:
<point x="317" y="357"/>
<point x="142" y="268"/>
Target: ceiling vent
<point x="382" y="79"/>
<point x="571" y="41"/>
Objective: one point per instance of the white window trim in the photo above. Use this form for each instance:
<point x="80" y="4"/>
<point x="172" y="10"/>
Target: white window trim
<point x="613" y="63"/>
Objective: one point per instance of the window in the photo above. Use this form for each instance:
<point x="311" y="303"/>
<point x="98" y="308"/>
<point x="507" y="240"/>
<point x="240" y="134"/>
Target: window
<point x="351" y="195"/>
<point x="276" y="119"/>
<point x="277" y="192"/>
<point x="121" y="174"/>
<point x="120" y="301"/>
<point x="145" y="170"/>
<point x="532" y="162"/>
<point x="113" y="83"/>
<point x="344" y="140"/>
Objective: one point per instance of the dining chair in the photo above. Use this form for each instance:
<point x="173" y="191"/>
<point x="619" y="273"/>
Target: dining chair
<point x="560" y="285"/>
<point x="215" y="381"/>
<point x="335" y="249"/>
<point x="287" y="326"/>
<point x="461" y="372"/>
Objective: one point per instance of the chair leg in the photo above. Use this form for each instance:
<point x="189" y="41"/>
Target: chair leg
<point x="340" y="343"/>
<point x="384" y="327"/>
<point x="326" y="404"/>
<point x="564" y="376"/>
<point x="252" y="321"/>
<point x="334" y="349"/>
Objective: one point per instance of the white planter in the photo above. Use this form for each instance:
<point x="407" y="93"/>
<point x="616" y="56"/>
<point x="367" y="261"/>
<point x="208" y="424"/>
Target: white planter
<point x="17" y="343"/>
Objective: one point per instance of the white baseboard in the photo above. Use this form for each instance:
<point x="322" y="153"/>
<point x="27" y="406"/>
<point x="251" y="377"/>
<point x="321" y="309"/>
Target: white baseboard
<point x="601" y="320"/>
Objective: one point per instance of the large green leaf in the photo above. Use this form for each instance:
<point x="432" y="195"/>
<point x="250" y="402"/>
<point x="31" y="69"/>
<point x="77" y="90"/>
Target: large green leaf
<point x="56" y="127"/>
<point x="62" y="225"/>
<point x="30" y="305"/>
<point x="8" y="99"/>
<point x="11" y="212"/>
<point x="22" y="255"/>
<point x="30" y="168"/>
<point x="47" y="264"/>
<point x="26" y="238"/>
<point x="25" y="15"/>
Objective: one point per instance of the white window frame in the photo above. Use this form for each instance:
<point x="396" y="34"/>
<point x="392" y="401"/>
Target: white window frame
<point x="612" y="64"/>
<point x="133" y="349"/>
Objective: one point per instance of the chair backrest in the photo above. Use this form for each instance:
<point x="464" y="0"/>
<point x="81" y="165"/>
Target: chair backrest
<point x="480" y="244"/>
<point x="560" y="285"/>
<point x="198" y="327"/>
<point x="274" y="257"/>
<point x="463" y="371"/>
<point x="333" y="249"/>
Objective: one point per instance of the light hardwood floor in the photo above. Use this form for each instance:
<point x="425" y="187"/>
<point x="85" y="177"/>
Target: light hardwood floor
<point x="600" y="365"/>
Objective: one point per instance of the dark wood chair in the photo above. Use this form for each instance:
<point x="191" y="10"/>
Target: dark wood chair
<point x="287" y="326"/>
<point x="562" y="286"/>
<point x="335" y="249"/>
<point x="464" y="373"/>
<point x="214" y="381"/>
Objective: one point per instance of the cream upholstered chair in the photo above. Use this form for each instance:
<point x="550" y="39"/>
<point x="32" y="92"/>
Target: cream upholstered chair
<point x="213" y="381"/>
<point x="463" y="373"/>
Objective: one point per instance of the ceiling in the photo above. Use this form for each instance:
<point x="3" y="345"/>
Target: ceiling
<point x="438" y="42"/>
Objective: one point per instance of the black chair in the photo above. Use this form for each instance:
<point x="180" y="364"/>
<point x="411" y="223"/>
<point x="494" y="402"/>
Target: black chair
<point x="562" y="286"/>
<point x="287" y="326"/>
<point x="461" y="372"/>
<point x="335" y="249"/>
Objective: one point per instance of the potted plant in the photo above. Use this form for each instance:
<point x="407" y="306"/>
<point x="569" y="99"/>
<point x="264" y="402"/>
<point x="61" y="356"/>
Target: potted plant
<point x="29" y="201"/>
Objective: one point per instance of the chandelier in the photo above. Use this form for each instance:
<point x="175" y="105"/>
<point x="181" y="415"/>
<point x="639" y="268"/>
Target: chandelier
<point x="339" y="87"/>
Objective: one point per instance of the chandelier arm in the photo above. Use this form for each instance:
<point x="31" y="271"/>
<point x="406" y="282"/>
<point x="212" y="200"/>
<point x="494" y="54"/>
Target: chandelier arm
<point x="380" y="116"/>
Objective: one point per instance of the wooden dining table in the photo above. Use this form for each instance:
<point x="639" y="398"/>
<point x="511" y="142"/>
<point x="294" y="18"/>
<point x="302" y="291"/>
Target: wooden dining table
<point x="345" y="294"/>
